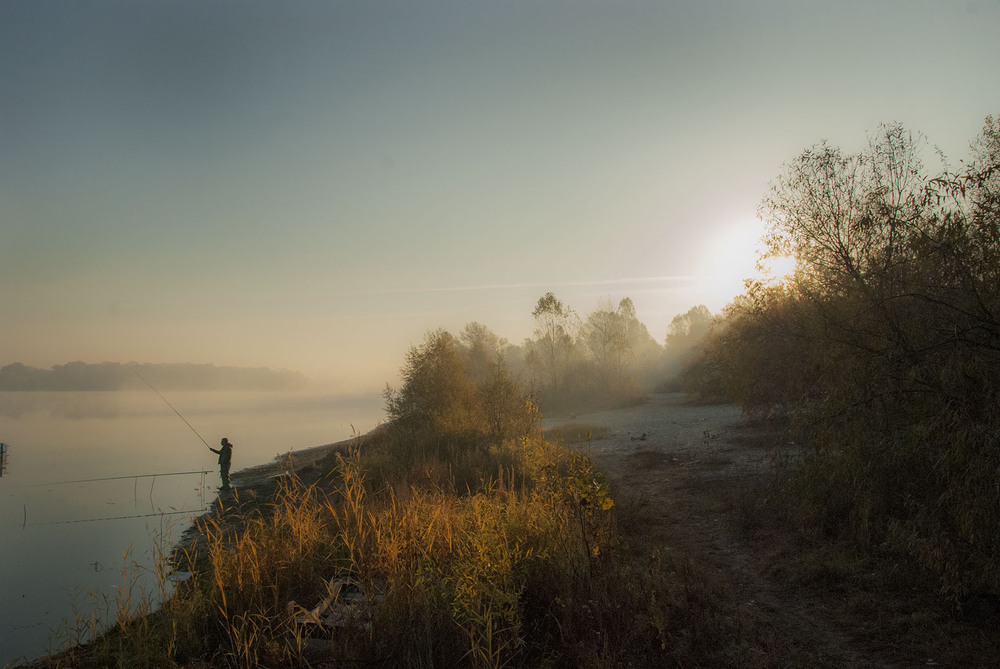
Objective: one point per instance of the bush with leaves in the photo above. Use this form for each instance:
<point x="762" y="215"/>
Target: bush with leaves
<point x="458" y="396"/>
<point x="884" y="348"/>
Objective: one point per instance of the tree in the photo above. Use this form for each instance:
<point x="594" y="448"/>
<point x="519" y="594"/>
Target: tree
<point x="685" y="334"/>
<point x="501" y="397"/>
<point x="606" y="335"/>
<point x="443" y="405"/>
<point x="688" y="329"/>
<point x="553" y="345"/>
<point x="884" y="348"/>
<point x="846" y="217"/>
<point x="620" y="346"/>
<point x="483" y="350"/>
<point x="643" y="351"/>
<point x="436" y="398"/>
<point x="504" y="404"/>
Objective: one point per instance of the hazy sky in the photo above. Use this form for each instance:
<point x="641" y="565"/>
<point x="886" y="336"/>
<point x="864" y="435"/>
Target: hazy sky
<point x="314" y="185"/>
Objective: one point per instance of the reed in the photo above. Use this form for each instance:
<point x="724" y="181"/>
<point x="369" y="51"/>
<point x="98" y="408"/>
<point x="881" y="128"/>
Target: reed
<point x="506" y="555"/>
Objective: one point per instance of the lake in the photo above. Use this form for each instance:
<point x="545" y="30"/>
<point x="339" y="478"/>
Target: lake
<point x="65" y="538"/>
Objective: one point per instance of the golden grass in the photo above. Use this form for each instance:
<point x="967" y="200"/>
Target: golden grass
<point x="519" y="565"/>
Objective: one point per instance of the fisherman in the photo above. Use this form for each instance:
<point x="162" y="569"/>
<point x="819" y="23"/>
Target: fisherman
<point x="225" y="459"/>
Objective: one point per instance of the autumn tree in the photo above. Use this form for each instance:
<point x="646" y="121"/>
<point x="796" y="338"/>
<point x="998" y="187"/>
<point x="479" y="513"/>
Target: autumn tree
<point x="554" y="341"/>
<point x="436" y="398"/>
<point x="501" y="395"/>
<point x="884" y="348"/>
<point x="483" y="349"/>
<point x="643" y="349"/>
<point x="606" y="336"/>
<point x="687" y="329"/>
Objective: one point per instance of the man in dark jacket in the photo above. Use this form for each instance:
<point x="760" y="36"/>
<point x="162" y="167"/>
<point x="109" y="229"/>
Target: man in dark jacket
<point x="225" y="459"/>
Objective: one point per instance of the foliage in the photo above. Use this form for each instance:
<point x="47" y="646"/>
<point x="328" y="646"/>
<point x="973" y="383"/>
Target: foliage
<point x="551" y="354"/>
<point x="437" y="398"/>
<point x="688" y="329"/>
<point x="457" y="396"/>
<point x="605" y="360"/>
<point x="883" y="349"/>
<point x="685" y="334"/>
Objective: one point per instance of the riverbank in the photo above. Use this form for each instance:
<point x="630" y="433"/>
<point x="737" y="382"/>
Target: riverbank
<point x="256" y="485"/>
<point x="460" y="553"/>
<point x="693" y="567"/>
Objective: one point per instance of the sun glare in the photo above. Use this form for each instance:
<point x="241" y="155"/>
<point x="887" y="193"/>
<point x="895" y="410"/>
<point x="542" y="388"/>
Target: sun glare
<point x="734" y="256"/>
<point x="777" y="268"/>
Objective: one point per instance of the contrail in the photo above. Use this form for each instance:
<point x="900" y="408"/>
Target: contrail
<point x="540" y="284"/>
<point x="676" y="278"/>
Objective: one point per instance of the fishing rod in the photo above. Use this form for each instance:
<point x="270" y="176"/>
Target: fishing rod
<point x="136" y="372"/>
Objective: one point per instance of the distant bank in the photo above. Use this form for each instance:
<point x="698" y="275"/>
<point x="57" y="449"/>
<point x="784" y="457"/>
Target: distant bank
<point x="76" y="376"/>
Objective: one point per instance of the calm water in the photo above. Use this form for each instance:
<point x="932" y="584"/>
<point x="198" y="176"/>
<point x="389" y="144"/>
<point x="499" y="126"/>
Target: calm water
<point x="63" y="538"/>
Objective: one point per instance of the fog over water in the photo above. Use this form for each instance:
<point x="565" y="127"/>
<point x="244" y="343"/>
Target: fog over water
<point x="64" y="535"/>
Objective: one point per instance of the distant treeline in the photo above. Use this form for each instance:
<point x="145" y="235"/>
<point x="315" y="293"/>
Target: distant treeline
<point x="572" y="365"/>
<point x="118" y="376"/>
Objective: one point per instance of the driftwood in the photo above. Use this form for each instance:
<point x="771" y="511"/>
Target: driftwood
<point x="345" y="605"/>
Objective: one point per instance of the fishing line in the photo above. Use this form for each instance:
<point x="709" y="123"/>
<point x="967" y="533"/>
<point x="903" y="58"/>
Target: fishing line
<point x="118" y="478"/>
<point x="143" y="515"/>
<point x="136" y="372"/>
<point x="201" y="496"/>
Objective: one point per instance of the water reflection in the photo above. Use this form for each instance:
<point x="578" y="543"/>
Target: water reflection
<point x="97" y="481"/>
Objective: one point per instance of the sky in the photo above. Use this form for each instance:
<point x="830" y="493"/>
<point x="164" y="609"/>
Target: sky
<point x="314" y="185"/>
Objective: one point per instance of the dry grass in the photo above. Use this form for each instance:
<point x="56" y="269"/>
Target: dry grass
<point x="504" y="556"/>
<point x="488" y="575"/>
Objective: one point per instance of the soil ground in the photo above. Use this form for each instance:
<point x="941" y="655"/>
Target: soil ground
<point x="694" y="474"/>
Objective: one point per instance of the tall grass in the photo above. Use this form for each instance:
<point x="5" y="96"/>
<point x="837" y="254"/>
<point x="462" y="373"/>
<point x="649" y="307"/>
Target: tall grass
<point x="518" y="565"/>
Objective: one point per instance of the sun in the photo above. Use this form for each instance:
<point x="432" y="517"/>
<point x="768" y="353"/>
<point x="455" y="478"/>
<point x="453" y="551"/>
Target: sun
<point x="776" y="268"/>
<point x="734" y="255"/>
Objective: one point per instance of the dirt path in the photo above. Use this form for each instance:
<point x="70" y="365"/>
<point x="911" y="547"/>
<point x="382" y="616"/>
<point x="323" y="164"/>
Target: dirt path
<point x="686" y="468"/>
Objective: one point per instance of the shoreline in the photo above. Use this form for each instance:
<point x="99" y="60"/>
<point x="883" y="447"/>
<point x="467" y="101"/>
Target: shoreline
<point x="250" y="486"/>
<point x="252" y="482"/>
<point x="255" y="475"/>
